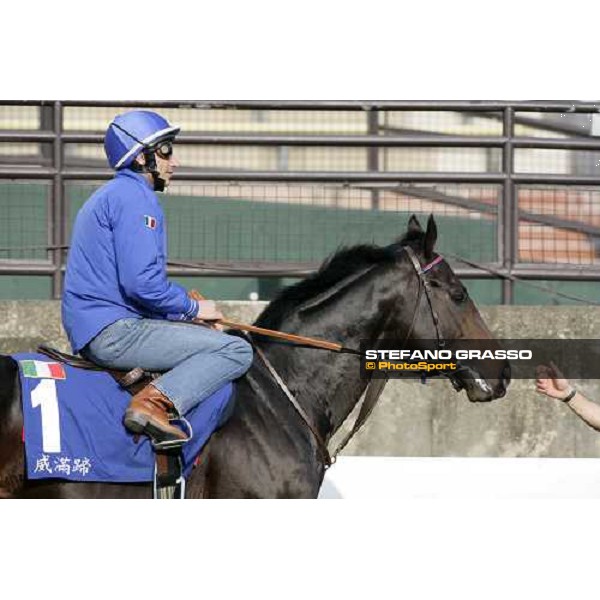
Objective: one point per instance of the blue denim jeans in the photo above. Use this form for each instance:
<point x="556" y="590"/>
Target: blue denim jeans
<point x="199" y="360"/>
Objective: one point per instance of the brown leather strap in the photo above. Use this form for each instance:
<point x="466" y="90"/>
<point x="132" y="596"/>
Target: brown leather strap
<point x="290" y="337"/>
<point x="169" y="483"/>
<point x="134" y="376"/>
<point x="372" y="395"/>
<point x="321" y="445"/>
<point x="133" y="381"/>
<point x="69" y="359"/>
<point x="374" y="390"/>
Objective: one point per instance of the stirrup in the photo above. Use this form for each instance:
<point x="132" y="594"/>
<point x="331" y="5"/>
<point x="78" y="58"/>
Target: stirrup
<point x="169" y="482"/>
<point x="172" y="444"/>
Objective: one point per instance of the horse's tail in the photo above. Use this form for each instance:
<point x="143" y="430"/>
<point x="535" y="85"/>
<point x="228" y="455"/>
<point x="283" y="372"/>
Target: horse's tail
<point x="11" y="429"/>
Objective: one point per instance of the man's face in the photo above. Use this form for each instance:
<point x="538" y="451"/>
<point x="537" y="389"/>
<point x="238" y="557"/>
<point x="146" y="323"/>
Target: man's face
<point x="165" y="161"/>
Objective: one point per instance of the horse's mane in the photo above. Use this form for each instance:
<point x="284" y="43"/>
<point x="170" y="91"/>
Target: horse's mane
<point x="344" y="263"/>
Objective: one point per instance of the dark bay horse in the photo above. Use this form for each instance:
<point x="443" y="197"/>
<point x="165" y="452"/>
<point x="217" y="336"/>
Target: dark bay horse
<point x="265" y="450"/>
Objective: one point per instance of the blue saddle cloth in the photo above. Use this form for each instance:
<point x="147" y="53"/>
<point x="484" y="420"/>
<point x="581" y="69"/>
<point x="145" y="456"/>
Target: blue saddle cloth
<point x="73" y="424"/>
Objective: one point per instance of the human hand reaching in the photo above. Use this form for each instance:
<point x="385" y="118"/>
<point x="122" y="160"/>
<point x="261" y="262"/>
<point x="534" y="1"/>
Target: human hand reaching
<point x="551" y="382"/>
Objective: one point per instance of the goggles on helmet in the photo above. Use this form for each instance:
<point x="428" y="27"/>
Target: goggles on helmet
<point x="165" y="149"/>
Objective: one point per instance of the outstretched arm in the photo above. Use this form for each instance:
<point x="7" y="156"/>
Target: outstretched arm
<point x="550" y="382"/>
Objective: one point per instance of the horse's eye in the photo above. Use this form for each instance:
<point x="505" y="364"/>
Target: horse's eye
<point x="459" y="296"/>
<point x="434" y="283"/>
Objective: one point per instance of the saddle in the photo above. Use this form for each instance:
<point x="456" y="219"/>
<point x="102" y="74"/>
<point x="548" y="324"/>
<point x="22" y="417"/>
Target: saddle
<point x="132" y="381"/>
<point x="168" y="478"/>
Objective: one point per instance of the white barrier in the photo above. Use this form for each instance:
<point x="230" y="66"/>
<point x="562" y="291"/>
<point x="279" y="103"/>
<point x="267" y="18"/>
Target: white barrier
<point x="468" y="478"/>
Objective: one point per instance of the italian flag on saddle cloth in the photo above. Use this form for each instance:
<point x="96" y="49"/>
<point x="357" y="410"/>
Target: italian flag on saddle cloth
<point x="38" y="369"/>
<point x="73" y="425"/>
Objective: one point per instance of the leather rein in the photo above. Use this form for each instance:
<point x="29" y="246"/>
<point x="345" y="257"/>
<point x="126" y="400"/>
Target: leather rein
<point x="375" y="386"/>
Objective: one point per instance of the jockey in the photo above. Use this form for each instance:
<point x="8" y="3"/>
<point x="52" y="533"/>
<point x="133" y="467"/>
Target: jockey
<point x="119" y="309"/>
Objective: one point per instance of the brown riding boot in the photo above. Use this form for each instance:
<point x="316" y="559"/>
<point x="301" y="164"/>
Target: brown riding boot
<point x="147" y="413"/>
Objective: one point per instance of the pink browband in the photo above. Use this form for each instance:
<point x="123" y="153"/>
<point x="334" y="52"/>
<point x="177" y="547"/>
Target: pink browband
<point x="432" y="264"/>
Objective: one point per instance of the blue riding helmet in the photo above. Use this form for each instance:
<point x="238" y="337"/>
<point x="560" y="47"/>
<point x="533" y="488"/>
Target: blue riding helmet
<point x="132" y="132"/>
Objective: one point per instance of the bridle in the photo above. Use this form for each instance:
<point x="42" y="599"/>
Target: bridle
<point x="375" y="386"/>
<point x="424" y="286"/>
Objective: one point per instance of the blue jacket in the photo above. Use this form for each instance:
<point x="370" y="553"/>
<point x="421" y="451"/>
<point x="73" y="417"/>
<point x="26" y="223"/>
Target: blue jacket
<point x="116" y="267"/>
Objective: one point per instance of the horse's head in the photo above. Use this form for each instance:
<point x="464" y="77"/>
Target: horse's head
<point x="367" y="294"/>
<point x="437" y="307"/>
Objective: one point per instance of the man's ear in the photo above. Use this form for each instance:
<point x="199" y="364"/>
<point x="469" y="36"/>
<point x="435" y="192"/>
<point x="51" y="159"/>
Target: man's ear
<point x="140" y="159"/>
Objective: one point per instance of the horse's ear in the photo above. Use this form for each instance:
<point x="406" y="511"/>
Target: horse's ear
<point x="414" y="226"/>
<point x="430" y="238"/>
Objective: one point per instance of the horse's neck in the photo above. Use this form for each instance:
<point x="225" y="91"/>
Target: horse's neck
<point x="328" y="384"/>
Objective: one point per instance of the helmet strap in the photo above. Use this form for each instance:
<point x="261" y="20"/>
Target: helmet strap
<point x="150" y="167"/>
<point x="159" y="182"/>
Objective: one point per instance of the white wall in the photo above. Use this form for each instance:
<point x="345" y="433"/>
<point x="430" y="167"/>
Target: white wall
<point x="462" y="478"/>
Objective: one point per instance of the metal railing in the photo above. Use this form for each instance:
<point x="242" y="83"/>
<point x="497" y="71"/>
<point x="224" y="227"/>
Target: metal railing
<point x="508" y="214"/>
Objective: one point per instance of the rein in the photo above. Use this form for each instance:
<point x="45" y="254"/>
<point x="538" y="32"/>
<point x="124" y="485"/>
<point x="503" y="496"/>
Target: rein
<point x="289" y="337"/>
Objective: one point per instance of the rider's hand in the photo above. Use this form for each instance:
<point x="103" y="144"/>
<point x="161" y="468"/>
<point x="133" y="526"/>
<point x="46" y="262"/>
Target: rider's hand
<point x="551" y="382"/>
<point x="208" y="311"/>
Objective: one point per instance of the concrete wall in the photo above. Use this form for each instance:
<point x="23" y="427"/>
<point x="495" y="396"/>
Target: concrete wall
<point x="414" y="419"/>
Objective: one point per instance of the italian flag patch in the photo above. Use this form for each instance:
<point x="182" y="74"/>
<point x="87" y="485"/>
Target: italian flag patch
<point x="41" y="369"/>
<point x="150" y="222"/>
